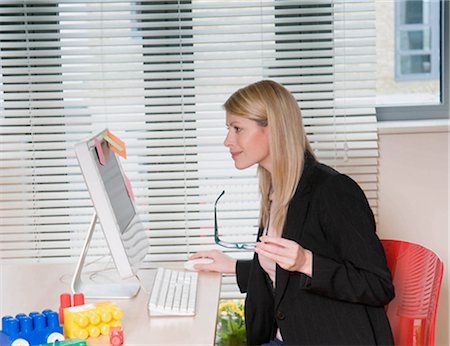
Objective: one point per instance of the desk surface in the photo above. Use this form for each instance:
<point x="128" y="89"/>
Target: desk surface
<point x="35" y="287"/>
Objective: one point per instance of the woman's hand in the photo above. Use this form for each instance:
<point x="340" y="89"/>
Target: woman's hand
<point x="288" y="254"/>
<point x="222" y="263"/>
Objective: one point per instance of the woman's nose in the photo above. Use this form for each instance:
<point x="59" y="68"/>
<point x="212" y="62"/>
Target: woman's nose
<point x="227" y="140"/>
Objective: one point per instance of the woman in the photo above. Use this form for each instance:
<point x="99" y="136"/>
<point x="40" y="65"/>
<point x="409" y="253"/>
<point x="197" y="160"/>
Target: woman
<point x="319" y="274"/>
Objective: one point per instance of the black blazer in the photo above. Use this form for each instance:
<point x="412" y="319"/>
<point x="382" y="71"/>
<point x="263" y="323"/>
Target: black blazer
<point x="343" y="302"/>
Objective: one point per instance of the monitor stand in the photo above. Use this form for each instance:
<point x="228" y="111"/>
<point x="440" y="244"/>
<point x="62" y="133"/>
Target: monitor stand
<point x="105" y="285"/>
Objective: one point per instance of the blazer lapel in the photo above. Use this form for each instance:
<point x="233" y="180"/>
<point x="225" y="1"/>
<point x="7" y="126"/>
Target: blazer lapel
<point x="293" y="229"/>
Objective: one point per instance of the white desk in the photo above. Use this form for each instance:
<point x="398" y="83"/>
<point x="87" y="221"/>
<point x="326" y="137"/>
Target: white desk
<point x="35" y="287"/>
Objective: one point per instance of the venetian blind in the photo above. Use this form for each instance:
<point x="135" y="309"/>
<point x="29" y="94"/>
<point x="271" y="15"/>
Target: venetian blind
<point x="156" y="73"/>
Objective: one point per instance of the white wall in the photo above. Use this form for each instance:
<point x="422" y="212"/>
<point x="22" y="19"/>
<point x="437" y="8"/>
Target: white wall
<point x="414" y="197"/>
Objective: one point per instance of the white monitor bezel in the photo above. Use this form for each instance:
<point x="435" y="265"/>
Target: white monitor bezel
<point x="127" y="249"/>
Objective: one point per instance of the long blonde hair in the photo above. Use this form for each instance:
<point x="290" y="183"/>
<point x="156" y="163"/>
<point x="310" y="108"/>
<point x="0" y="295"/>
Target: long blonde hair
<point x="270" y="104"/>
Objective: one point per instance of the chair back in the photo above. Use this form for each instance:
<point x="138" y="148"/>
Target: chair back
<point x="417" y="276"/>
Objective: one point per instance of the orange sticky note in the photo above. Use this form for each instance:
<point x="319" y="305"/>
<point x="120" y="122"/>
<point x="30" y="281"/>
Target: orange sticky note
<point x="98" y="147"/>
<point x="115" y="144"/>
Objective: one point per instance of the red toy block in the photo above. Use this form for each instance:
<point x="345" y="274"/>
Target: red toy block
<point x="116" y="336"/>
<point x="65" y="301"/>
<point x="78" y="299"/>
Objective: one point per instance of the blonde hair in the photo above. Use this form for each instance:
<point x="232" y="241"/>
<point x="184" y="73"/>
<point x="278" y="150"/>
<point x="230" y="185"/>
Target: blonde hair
<point x="270" y="104"/>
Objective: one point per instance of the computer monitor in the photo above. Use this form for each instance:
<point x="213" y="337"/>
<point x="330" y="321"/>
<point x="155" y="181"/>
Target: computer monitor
<point x="114" y="208"/>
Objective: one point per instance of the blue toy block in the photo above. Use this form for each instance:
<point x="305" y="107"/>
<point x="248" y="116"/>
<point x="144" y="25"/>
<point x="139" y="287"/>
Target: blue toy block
<point x="32" y="329"/>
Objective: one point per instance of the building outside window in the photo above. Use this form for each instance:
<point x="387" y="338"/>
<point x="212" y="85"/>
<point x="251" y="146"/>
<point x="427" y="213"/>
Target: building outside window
<point x="408" y="53"/>
<point x="417" y="40"/>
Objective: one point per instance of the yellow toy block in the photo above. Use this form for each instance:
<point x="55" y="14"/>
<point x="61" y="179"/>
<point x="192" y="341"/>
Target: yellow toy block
<point x="91" y="320"/>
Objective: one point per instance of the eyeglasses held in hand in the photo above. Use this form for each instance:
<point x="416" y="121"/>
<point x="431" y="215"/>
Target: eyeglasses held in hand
<point x="228" y="245"/>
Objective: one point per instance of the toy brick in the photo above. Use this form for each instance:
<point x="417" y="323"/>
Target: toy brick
<point x="33" y="329"/>
<point x="65" y="300"/>
<point x="69" y="342"/>
<point x="91" y="320"/>
<point x="116" y="336"/>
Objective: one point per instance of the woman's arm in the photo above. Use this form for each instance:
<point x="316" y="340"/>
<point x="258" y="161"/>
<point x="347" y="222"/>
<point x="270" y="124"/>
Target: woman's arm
<point x="222" y="263"/>
<point x="225" y="264"/>
<point x="361" y="274"/>
<point x="243" y="274"/>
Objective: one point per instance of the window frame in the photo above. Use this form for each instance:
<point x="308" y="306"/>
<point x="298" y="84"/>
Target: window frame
<point x="428" y="112"/>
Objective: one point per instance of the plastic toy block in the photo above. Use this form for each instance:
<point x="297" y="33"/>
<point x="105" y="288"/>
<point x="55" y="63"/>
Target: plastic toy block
<point x="69" y="342"/>
<point x="33" y="329"/>
<point x="116" y="336"/>
<point x="91" y="320"/>
<point x="78" y="299"/>
<point x="65" y="301"/>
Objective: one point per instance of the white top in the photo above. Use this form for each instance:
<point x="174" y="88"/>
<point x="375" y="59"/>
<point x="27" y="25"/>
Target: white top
<point x="266" y="263"/>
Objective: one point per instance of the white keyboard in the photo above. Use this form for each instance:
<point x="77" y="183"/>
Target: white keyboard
<point x="174" y="293"/>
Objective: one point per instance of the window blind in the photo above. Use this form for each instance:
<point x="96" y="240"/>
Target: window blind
<point x="156" y="73"/>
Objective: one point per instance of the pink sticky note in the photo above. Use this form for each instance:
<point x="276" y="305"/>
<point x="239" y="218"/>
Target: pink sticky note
<point x="98" y="147"/>
<point x="129" y="188"/>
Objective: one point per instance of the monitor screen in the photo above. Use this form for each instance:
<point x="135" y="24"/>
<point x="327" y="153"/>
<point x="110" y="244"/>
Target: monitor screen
<point x="115" y="187"/>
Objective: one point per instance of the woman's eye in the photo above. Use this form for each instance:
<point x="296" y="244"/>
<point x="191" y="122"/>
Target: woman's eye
<point x="237" y="129"/>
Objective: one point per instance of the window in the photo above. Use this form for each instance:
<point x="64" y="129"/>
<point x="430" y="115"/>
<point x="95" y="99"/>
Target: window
<point x="417" y="40"/>
<point x="412" y="64"/>
<point x="157" y="73"/>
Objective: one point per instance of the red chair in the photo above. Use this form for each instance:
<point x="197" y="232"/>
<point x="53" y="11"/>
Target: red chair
<point x="417" y="276"/>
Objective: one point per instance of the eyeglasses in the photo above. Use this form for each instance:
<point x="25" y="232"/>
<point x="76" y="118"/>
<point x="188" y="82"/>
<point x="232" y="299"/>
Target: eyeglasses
<point x="228" y="245"/>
